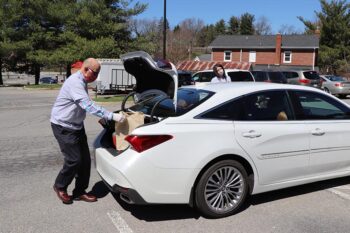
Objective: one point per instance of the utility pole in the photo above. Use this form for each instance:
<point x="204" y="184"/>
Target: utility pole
<point x="164" y="32"/>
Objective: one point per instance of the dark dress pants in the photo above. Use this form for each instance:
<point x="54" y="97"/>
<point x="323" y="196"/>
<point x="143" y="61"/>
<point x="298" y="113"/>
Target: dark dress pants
<point x="77" y="161"/>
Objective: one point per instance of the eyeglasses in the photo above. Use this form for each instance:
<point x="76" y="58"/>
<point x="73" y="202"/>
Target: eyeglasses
<point x="94" y="72"/>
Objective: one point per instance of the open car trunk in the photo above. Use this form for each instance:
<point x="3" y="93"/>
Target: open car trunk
<point x="156" y="81"/>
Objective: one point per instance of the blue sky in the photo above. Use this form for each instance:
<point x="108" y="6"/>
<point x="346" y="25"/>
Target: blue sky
<point x="278" y="12"/>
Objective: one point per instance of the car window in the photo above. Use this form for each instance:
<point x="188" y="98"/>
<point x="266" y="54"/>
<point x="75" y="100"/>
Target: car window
<point x="288" y="74"/>
<point x="267" y="106"/>
<point x="187" y="99"/>
<point x="276" y="76"/>
<point x="232" y="110"/>
<point x="262" y="106"/>
<point x="316" y="106"/>
<point x="240" y="76"/>
<point x="259" y="76"/>
<point x="311" y="75"/>
<point x="337" y="78"/>
<point x="207" y="76"/>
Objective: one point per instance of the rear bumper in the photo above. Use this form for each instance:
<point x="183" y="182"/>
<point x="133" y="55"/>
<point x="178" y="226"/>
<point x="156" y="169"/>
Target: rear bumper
<point x="139" y="181"/>
<point x="130" y="196"/>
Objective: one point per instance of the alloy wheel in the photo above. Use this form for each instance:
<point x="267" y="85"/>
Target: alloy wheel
<point x="224" y="189"/>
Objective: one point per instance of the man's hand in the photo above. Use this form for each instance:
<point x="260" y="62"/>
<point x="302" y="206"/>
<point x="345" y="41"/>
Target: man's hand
<point x="118" y="117"/>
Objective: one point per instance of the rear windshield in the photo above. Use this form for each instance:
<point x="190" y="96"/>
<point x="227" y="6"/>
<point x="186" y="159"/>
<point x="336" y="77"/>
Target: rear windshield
<point x="311" y="75"/>
<point x="187" y="99"/>
<point x="337" y="78"/>
<point x="240" y="76"/>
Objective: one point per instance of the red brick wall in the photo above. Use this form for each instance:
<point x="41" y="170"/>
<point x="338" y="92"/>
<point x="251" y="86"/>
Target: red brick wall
<point x="299" y="57"/>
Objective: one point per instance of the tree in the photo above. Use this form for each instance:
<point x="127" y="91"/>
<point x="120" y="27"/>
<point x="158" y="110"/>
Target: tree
<point x="220" y="27"/>
<point x="247" y="27"/>
<point x="286" y="29"/>
<point x="334" y="20"/>
<point x="61" y="31"/>
<point x="206" y="35"/>
<point x="11" y="48"/>
<point x="147" y="35"/>
<point x="234" y="24"/>
<point x="184" y="39"/>
<point x="262" y="26"/>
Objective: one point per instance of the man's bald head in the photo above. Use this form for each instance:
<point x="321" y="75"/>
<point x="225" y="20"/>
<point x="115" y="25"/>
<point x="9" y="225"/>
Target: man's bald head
<point x="90" y="69"/>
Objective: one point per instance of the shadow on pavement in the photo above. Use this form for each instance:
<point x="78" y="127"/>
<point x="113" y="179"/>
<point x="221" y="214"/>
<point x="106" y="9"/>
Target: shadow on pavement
<point x="99" y="190"/>
<point x="162" y="212"/>
<point x="298" y="190"/>
<point x="159" y="212"/>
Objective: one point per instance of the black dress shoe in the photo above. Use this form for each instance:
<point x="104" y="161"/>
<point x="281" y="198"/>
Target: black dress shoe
<point x="63" y="196"/>
<point x="86" y="197"/>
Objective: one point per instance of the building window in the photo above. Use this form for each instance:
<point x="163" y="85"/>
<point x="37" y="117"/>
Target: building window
<point x="252" y="56"/>
<point x="287" y="58"/>
<point x="227" y="55"/>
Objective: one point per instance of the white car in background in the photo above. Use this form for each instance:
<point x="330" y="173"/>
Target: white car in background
<point x="236" y="75"/>
<point x="212" y="146"/>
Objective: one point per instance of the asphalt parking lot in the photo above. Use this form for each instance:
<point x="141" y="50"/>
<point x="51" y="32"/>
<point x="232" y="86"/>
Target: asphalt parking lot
<point x="30" y="159"/>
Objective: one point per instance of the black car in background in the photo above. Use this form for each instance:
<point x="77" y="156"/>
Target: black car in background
<point x="48" y="80"/>
<point x="184" y="78"/>
<point x="269" y="76"/>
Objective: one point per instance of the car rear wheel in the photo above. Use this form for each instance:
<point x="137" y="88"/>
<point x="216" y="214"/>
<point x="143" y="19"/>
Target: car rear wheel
<point x="326" y="90"/>
<point x="222" y="189"/>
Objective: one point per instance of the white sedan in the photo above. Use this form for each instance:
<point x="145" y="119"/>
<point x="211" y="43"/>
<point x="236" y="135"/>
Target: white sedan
<point x="222" y="142"/>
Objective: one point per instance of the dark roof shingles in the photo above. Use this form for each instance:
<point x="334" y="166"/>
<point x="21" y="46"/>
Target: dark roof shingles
<point x="265" y="41"/>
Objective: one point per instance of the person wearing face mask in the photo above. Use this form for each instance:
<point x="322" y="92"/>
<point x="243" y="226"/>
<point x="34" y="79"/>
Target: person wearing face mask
<point x="220" y="73"/>
<point x="67" y="123"/>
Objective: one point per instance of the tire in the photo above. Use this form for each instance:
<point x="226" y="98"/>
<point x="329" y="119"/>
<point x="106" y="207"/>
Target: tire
<point x="222" y="189"/>
<point x="326" y="90"/>
<point x="342" y="96"/>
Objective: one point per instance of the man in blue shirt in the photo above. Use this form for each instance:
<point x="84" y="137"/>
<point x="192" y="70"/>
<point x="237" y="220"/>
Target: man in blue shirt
<point x="67" y="122"/>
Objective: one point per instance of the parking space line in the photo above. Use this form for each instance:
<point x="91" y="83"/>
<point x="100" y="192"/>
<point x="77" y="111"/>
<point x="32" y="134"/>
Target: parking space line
<point x="119" y="222"/>
<point x="339" y="193"/>
<point x="344" y="187"/>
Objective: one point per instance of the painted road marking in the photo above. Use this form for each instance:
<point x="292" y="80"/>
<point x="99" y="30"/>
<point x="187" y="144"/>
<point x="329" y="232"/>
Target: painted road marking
<point x="344" y="187"/>
<point x="339" y="193"/>
<point x="119" y="222"/>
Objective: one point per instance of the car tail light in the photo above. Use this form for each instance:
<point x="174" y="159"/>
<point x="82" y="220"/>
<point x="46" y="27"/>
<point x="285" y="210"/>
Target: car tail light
<point x="144" y="142"/>
<point x="306" y="81"/>
<point x="114" y="137"/>
<point x="339" y="84"/>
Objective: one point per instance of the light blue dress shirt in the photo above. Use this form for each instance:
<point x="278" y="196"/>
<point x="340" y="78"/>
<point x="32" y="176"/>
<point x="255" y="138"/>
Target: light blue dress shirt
<point x="72" y="103"/>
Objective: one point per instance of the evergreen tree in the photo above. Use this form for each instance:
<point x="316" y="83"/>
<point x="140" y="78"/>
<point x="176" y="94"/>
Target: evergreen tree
<point x="44" y="32"/>
<point x="247" y="24"/>
<point x="233" y="27"/>
<point x="220" y="27"/>
<point x="334" y="20"/>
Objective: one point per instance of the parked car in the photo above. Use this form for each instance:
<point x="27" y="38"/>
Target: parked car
<point x="48" y="80"/>
<point x="228" y="141"/>
<point x="269" y="76"/>
<point x="335" y="85"/>
<point x="235" y="75"/>
<point x="303" y="77"/>
<point x="185" y="78"/>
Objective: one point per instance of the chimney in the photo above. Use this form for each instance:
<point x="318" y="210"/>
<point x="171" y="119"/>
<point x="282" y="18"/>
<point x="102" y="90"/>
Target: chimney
<point x="278" y="49"/>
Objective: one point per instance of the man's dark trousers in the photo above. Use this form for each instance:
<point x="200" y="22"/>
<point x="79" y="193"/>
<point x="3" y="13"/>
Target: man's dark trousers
<point x="77" y="161"/>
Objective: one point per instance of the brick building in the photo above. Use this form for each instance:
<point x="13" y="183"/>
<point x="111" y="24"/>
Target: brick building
<point x="268" y="51"/>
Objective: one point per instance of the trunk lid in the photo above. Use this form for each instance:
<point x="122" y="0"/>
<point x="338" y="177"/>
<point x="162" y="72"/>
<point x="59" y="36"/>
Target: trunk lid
<point x="150" y="74"/>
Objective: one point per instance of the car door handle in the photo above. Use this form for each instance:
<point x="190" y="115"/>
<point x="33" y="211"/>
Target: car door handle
<point x="251" y="134"/>
<point x="317" y="132"/>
